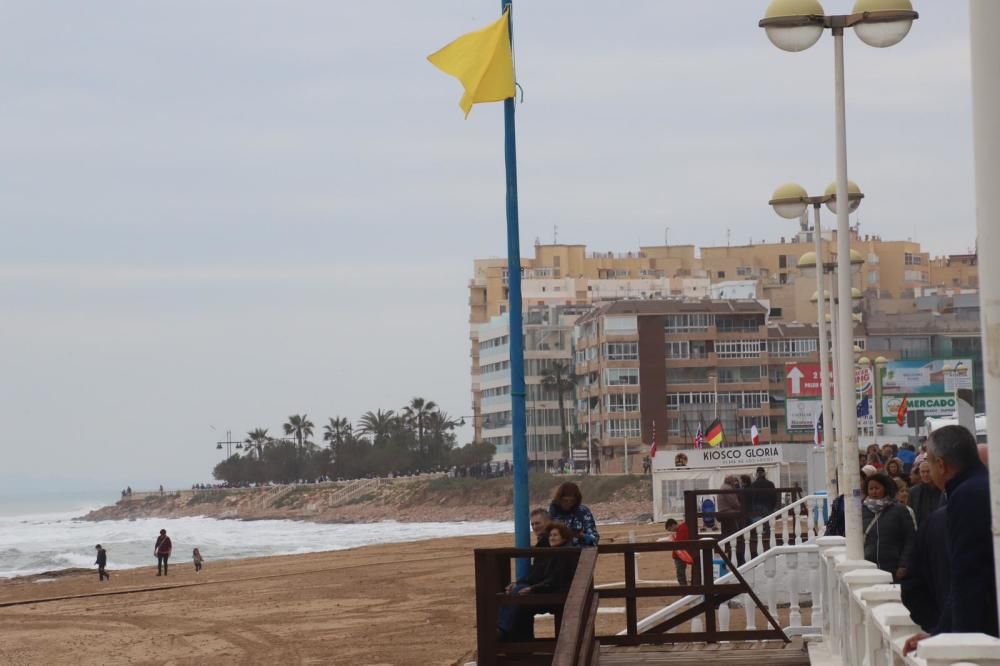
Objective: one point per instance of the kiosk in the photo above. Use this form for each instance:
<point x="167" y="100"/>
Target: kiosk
<point x="675" y="471"/>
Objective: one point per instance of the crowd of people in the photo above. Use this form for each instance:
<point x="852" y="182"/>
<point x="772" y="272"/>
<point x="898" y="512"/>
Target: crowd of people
<point x="926" y="521"/>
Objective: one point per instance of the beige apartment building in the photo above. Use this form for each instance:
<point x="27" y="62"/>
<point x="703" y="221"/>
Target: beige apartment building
<point x="567" y="274"/>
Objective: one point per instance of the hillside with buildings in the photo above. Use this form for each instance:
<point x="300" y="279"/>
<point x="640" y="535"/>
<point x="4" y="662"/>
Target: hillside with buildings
<point x="666" y="339"/>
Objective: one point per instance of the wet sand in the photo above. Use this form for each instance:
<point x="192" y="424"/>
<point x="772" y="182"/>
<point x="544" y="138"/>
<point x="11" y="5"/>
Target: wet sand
<point x="400" y="604"/>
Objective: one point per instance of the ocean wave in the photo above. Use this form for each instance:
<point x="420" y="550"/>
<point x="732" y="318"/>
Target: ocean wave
<point x="36" y="545"/>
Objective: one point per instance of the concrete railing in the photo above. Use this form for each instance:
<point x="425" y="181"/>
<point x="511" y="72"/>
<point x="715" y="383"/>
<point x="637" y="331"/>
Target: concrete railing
<point x="864" y="623"/>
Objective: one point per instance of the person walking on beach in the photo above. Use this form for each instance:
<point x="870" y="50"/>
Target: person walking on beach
<point x="162" y="551"/>
<point x="102" y="561"/>
<point x="198" y="560"/>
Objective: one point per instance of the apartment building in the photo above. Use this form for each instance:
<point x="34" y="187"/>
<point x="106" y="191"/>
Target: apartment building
<point x="569" y="274"/>
<point x="672" y="364"/>
<point x="548" y="340"/>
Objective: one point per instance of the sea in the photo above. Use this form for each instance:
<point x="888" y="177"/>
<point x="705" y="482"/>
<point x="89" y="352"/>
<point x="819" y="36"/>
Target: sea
<point x="43" y="533"/>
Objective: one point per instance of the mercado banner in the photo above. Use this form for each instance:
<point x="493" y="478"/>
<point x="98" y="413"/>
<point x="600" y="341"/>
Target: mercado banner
<point x="926" y="377"/>
<point x="928" y="405"/>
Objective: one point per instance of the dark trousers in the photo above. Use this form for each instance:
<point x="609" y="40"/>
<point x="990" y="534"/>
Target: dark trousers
<point x="101" y="573"/>
<point x="161" y="564"/>
<point x="681" y="569"/>
<point x="517" y="622"/>
<point x="197" y="566"/>
<point x="732" y="526"/>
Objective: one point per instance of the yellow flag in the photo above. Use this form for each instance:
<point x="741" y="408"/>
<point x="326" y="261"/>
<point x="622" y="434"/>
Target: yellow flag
<point x="482" y="61"/>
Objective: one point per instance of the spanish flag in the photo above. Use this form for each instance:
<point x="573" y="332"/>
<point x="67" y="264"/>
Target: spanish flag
<point x="904" y="407"/>
<point x="482" y="61"/>
<point x="714" y="435"/>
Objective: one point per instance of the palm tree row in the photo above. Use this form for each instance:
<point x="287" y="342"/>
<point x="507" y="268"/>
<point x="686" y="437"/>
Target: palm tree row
<point x="418" y="436"/>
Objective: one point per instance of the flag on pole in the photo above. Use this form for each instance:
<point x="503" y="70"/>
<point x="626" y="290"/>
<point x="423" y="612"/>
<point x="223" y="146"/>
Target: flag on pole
<point x="699" y="437"/>
<point x="652" y="447"/>
<point x="482" y="61"/>
<point x="714" y="435"/>
<point x="901" y="412"/>
<point x="754" y="435"/>
<point x="818" y="430"/>
<point x="862" y="407"/>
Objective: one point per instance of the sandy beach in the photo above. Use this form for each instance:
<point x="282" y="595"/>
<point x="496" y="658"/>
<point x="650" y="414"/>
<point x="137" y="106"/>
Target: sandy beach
<point x="400" y="604"/>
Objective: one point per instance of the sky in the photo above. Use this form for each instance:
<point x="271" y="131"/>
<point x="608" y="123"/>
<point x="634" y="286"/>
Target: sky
<point x="217" y="214"/>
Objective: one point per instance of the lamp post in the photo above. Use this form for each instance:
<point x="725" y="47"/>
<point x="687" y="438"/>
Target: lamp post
<point x="795" y="25"/>
<point x="790" y="201"/>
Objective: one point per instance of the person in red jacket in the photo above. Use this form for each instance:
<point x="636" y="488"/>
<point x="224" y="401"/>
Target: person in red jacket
<point x="162" y="551"/>
<point x="682" y="558"/>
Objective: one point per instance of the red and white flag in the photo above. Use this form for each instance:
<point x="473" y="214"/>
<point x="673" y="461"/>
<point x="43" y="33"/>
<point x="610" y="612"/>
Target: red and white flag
<point x="818" y="430"/>
<point x="699" y="437"/>
<point x="754" y="435"/>
<point x="652" y="447"/>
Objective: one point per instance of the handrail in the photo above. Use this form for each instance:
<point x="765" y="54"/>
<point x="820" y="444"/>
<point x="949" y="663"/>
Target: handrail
<point x="577" y="617"/>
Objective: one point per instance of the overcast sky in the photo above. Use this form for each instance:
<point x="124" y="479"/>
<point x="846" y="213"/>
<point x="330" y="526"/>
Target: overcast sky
<point x="217" y="214"/>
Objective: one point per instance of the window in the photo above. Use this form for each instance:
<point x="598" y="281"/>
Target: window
<point x="775" y="313"/>
<point x="495" y="342"/>
<point x="860" y="343"/>
<point x="744" y="271"/>
<point x="782" y="278"/>
<point x="621" y="351"/>
<point x="745" y="399"/>
<point x="687" y="375"/>
<point x="621" y="376"/>
<point x="738" y="324"/>
<point x="782" y="261"/>
<point x="872" y="277"/>
<point x="739" y="348"/>
<point x="623" y="402"/>
<point x="678" y="350"/>
<point x="914" y="276"/>
<point x="620" y="325"/>
<point x="676" y="400"/>
<point x="684" y="323"/>
<point x="699" y="349"/>
<point x="721" y="274"/>
<point x="740" y="375"/>
<point x="911" y="259"/>
<point x="623" y="428"/>
<point x="792" y="347"/>
<point x="673" y="426"/>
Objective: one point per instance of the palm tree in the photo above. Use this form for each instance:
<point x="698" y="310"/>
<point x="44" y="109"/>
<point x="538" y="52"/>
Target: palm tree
<point x="378" y="424"/>
<point x="257" y="438"/>
<point x="439" y="425"/>
<point x="417" y="413"/>
<point x="336" y="431"/>
<point x="299" y="427"/>
<point x="559" y="377"/>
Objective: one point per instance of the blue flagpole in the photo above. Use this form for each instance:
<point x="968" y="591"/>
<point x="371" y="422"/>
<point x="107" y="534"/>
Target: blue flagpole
<point x="522" y="536"/>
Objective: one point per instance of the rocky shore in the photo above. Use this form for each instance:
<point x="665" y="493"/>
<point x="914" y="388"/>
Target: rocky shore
<point x="611" y="498"/>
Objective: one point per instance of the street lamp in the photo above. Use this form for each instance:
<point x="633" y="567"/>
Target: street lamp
<point x="790" y="201"/>
<point x="795" y="25"/>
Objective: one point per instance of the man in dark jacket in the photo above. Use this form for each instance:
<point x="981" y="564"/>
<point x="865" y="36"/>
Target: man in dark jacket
<point x="102" y="561"/>
<point x="763" y="501"/>
<point x="925" y="498"/>
<point x="729" y="512"/>
<point x="924" y="588"/>
<point x="971" y="605"/>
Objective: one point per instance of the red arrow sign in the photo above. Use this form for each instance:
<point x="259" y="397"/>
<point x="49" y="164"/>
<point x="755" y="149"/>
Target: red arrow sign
<point x="802" y="380"/>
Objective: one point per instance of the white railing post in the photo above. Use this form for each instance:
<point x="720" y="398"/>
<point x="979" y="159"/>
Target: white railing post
<point x="948" y="649"/>
<point x="749" y="606"/>
<point x="844" y="627"/>
<point x="770" y="571"/>
<point x="792" y="566"/>
<point x="855" y="633"/>
<point x="817" y="615"/>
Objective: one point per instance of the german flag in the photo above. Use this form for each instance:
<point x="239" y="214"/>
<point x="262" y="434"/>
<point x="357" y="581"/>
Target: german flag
<point x="713" y="433"/>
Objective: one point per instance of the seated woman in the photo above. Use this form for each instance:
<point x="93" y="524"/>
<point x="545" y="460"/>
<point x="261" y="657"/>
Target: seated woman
<point x="567" y="507"/>
<point x="548" y="575"/>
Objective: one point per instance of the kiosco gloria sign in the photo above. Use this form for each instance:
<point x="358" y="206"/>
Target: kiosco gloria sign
<point x="722" y="456"/>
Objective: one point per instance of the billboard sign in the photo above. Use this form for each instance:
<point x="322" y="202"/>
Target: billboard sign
<point x="928" y="405"/>
<point x="932" y="377"/>
<point x="802" y="380"/>
<point x="800" y="415"/>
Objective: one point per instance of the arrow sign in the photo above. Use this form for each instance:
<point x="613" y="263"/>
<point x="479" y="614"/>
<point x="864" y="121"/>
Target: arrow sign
<point x="795" y="377"/>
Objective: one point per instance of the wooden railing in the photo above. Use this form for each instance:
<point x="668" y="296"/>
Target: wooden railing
<point x="576" y="641"/>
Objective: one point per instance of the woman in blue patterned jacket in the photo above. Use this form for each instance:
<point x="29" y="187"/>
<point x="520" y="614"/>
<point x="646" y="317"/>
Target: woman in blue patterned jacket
<point x="567" y="507"/>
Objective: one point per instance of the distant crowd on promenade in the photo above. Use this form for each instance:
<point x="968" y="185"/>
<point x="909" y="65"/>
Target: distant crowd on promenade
<point x="926" y="520"/>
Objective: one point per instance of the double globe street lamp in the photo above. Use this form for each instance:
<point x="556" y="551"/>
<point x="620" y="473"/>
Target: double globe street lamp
<point x="795" y="25"/>
<point x="791" y="201"/>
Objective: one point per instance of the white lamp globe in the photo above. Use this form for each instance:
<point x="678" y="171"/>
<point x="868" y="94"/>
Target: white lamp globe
<point x="792" y="35"/>
<point x="788" y="201"/>
<point x="853" y="196"/>
<point x="878" y="29"/>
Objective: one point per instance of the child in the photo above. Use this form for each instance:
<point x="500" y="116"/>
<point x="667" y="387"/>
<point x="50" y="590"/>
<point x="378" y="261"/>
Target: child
<point x="198" y="559"/>
<point x="102" y="561"/>
<point x="682" y="558"/>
